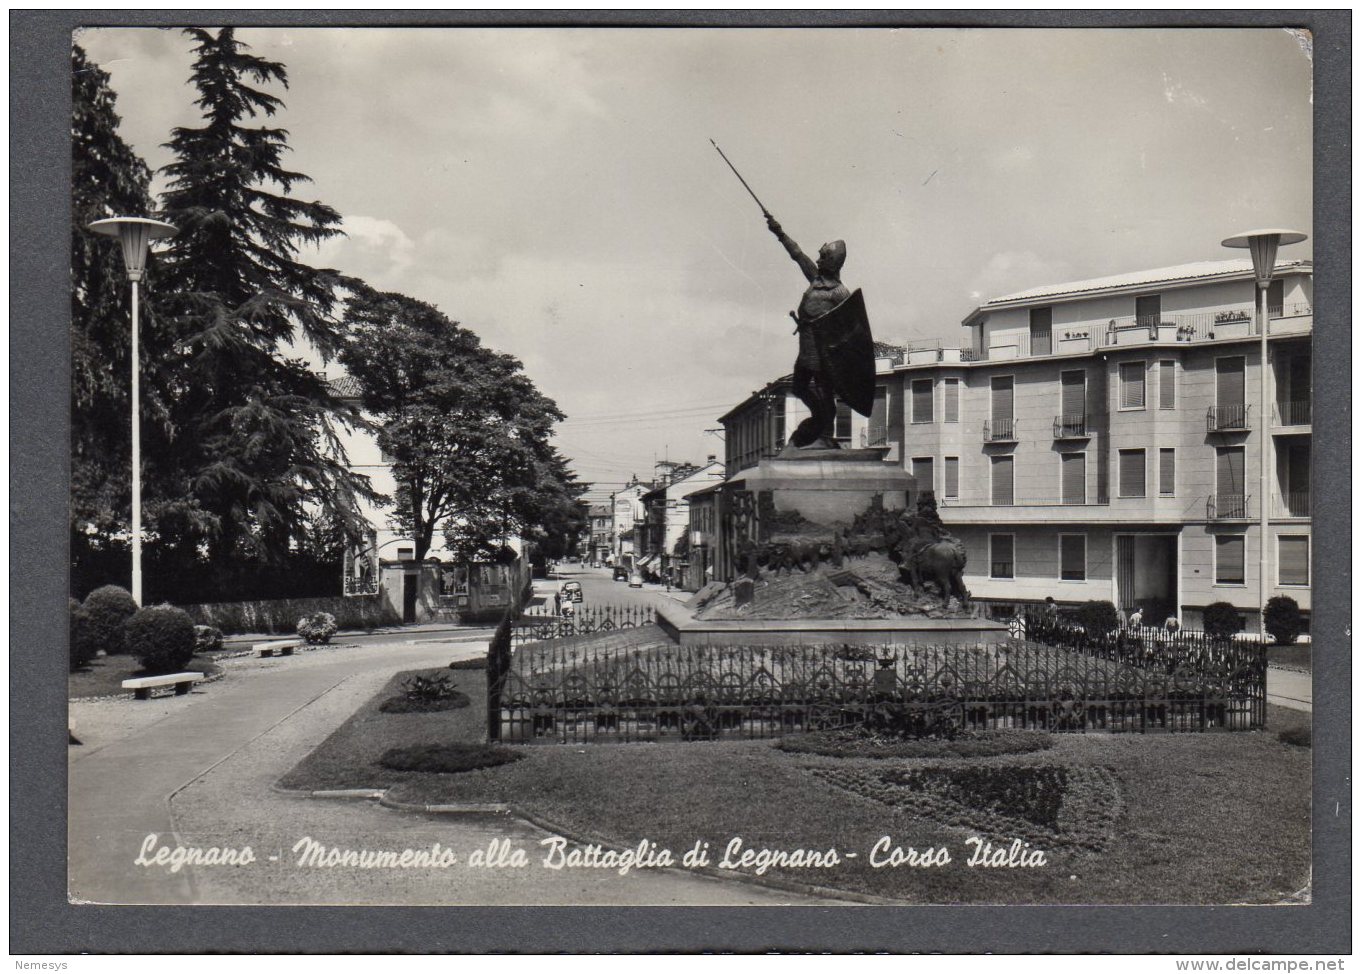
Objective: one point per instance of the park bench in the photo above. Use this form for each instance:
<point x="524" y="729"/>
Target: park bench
<point x="284" y="647"/>
<point x="141" y="686"/>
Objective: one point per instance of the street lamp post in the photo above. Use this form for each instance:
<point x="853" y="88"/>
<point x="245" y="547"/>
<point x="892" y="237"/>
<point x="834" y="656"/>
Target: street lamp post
<point x="135" y="234"/>
<point x="1263" y="244"/>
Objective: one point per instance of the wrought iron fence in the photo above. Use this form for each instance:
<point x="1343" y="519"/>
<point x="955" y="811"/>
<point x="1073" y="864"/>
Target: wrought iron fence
<point x="999" y="430"/>
<point x="1070" y="426"/>
<point x="1227" y="506"/>
<point x="576" y="692"/>
<point x="541" y="623"/>
<point x="1292" y="413"/>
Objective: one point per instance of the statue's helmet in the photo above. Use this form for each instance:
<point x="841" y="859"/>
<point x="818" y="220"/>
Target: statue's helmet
<point x="832" y="256"/>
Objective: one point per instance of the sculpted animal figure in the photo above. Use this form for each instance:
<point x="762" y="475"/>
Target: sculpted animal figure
<point x="926" y="552"/>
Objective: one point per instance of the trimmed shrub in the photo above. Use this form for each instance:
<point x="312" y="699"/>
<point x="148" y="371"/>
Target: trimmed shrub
<point x="854" y="742"/>
<point x="207" y="639"/>
<point x="109" y="608"/>
<point x="1283" y="619"/>
<point x="476" y="663"/>
<point x="83" y="647"/>
<point x="447" y="758"/>
<point x="162" y="637"/>
<point x="318" y="628"/>
<point x="1098" y="617"/>
<point x="1297" y="737"/>
<point x="1222" y="620"/>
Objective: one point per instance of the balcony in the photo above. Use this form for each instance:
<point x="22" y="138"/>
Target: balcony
<point x="1098" y="499"/>
<point x="1294" y="503"/>
<point x="1071" y="427"/>
<point x="999" y="431"/>
<point x="1228" y="419"/>
<point x="874" y="435"/>
<point x="1292" y="413"/>
<point x="1228" y="507"/>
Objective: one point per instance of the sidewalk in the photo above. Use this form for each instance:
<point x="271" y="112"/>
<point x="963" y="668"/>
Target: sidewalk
<point x="415" y="629"/>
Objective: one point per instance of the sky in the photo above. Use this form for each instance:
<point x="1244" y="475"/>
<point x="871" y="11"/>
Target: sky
<point x="555" y="189"/>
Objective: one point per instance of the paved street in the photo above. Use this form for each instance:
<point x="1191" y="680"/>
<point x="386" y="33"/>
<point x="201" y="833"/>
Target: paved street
<point x="199" y="771"/>
<point x="1290" y="688"/>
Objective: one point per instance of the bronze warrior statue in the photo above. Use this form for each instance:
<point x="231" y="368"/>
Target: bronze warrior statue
<point x="836" y="350"/>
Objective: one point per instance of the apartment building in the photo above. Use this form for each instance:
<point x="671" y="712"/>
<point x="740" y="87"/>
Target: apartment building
<point x="1100" y="439"/>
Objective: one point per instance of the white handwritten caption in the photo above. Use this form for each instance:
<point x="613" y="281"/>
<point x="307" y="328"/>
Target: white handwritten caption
<point x="559" y="854"/>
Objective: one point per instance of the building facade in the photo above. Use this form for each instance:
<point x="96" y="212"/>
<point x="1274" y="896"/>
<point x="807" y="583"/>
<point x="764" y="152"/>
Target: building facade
<point x="600" y="519"/>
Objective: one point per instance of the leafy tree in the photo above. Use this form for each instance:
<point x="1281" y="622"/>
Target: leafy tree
<point x="252" y="441"/>
<point x="107" y="179"/>
<point x="467" y="431"/>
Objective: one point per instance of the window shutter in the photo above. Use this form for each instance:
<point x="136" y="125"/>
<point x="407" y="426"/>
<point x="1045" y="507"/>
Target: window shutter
<point x="1229" y="472"/>
<point x="924" y="470"/>
<point x="1002" y="399"/>
<point x="1073" y="557"/>
<point x="1132" y="385"/>
<point x="1074" y="395"/>
<point x="922" y="396"/>
<point x="952" y="476"/>
<point x="843" y="421"/>
<point x="879" y="411"/>
<point x="1131" y="473"/>
<point x="1229" y="559"/>
<point x="1074" y="478"/>
<point x="1293" y="560"/>
<point x="1002" y="481"/>
<point x="952" y="400"/>
<point x="1003" y="556"/>
<point x="1167" y="471"/>
<point x="1149" y="309"/>
<point x="1229" y="386"/>
<point x="1167" y="384"/>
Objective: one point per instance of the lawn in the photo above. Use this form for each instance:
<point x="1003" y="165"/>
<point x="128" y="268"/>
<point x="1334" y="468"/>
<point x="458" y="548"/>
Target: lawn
<point x="104" y="676"/>
<point x="1173" y="818"/>
<point x="1298" y="656"/>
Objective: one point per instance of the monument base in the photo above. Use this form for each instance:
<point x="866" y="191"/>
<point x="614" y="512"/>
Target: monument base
<point x="682" y="627"/>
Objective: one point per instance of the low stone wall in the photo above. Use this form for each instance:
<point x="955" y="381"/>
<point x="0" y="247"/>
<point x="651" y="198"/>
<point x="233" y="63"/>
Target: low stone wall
<point x="282" y="615"/>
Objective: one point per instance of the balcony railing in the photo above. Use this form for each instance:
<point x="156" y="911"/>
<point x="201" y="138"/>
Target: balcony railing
<point x="1100" y="499"/>
<point x="874" y="436"/>
<point x="973" y="354"/>
<point x="1222" y="507"/>
<point x="1292" y="413"/>
<point x="1226" y="419"/>
<point x="1071" y="427"/>
<point x="999" y="430"/>
<point x="1294" y="503"/>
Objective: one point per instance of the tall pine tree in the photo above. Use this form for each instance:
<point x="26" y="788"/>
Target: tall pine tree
<point x="254" y="443"/>
<point x="107" y="179"/>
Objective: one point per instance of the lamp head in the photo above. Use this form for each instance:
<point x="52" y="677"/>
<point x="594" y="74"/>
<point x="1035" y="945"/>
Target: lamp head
<point x="1262" y="244"/>
<point x="134" y="235"/>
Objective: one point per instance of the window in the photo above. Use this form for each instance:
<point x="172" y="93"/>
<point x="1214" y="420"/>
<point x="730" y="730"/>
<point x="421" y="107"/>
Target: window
<point x="1148" y="310"/>
<point x="1230" y="493"/>
<point x="1229" y="549"/>
<point x="923" y="468"/>
<point x="779" y="422"/>
<point x="1002" y="482"/>
<point x="952" y="400"/>
<point x="923" y="401"/>
<point x="1275" y="297"/>
<point x="843" y="421"/>
<point x="1132" y="473"/>
<point x="1003" y="398"/>
<point x="1292" y="559"/>
<point x="1231" y="411"/>
<point x="952" y="476"/>
<point x="878" y="431"/>
<point x="1167" y="384"/>
<point x="1073" y="557"/>
<point x="1041" y="331"/>
<point x="1073" y="397"/>
<point x="1074" y="476"/>
<point x="1002" y="555"/>
<point x="1131" y="385"/>
<point x="1167" y="472"/>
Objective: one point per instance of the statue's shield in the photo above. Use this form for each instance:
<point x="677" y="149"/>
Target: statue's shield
<point x="847" y="347"/>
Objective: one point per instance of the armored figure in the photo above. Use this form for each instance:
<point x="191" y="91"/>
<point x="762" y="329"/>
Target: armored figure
<point x="836" y="350"/>
<point x="929" y="550"/>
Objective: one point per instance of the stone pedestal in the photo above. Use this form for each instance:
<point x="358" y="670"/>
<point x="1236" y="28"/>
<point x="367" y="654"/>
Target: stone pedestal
<point x="814" y="493"/>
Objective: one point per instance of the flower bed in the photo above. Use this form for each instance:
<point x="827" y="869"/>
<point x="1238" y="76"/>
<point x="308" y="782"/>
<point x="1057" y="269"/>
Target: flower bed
<point x="853" y="742"/>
